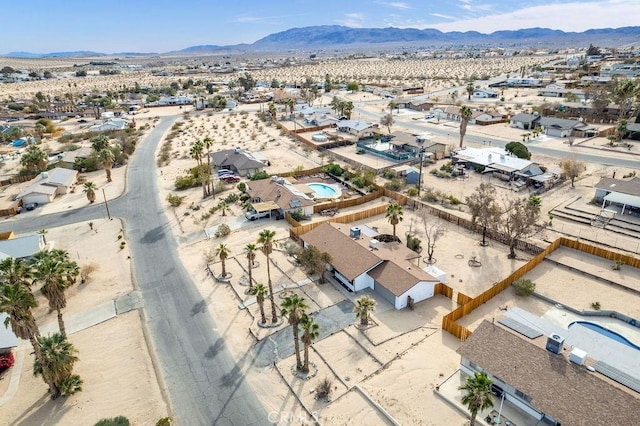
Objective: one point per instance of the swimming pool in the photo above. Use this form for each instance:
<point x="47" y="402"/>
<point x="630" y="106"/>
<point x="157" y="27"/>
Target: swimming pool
<point x="322" y="190"/>
<point x="606" y="332"/>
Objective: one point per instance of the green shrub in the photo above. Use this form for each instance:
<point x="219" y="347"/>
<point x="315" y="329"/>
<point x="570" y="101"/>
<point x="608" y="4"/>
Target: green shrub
<point x="414" y="244"/>
<point x="524" y="287"/>
<point x="114" y="421"/>
<point x="244" y="197"/>
<point x="480" y="168"/>
<point x="596" y="306"/>
<point x="231" y="198"/>
<point x="447" y="167"/>
<point x="297" y="215"/>
<point x="453" y="200"/>
<point x="388" y="174"/>
<point x="412" y="192"/>
<point x="174" y="200"/>
<point x="185" y="182"/>
<point x="334" y="169"/>
<point x="260" y="175"/>
<point x="394" y="185"/>
<point x="242" y="187"/>
<point x="358" y="181"/>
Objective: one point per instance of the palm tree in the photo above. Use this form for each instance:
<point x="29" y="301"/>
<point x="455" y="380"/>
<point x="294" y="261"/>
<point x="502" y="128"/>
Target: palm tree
<point x="106" y="159"/>
<point x="291" y="104"/>
<point x="222" y="251"/>
<point x="90" y="189"/>
<point x="207" y="143"/>
<point x="394" y="215"/>
<point x="260" y="291"/>
<point x="478" y="396"/>
<point x="56" y="364"/>
<point x="469" y="90"/>
<point x="34" y="159"/>
<point x="364" y="306"/>
<point x="196" y="153"/>
<point x="50" y="269"/>
<point x="43" y="232"/>
<point x="293" y="307"/>
<point x="272" y="109"/>
<point x="465" y="115"/>
<point x="17" y="302"/>
<point x="16" y="271"/>
<point x="310" y="332"/>
<point x="250" y="249"/>
<point x="223" y="207"/>
<point x="266" y="239"/>
<point x="392" y="105"/>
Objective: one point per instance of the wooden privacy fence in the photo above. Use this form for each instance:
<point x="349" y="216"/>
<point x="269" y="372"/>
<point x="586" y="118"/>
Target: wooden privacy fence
<point x="443" y="289"/>
<point x="449" y="321"/>
<point x="309" y="172"/>
<point x="463" y="298"/>
<point x="17" y="179"/>
<point x="343" y="204"/>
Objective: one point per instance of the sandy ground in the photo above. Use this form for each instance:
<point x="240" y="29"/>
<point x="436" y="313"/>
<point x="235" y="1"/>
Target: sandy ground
<point x="119" y="378"/>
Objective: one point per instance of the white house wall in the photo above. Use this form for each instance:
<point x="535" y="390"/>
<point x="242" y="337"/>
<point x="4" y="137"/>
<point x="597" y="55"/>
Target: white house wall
<point x="363" y="281"/>
<point x="419" y="292"/>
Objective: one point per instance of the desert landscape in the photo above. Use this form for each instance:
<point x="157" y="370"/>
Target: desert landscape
<point x="386" y="372"/>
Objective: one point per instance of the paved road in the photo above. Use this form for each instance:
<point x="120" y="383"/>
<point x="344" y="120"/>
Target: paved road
<point x="205" y="385"/>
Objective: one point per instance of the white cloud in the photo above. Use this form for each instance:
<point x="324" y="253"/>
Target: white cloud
<point x="355" y="20"/>
<point x="440" y="15"/>
<point x="399" y="5"/>
<point x="574" y="16"/>
<point x="252" y="19"/>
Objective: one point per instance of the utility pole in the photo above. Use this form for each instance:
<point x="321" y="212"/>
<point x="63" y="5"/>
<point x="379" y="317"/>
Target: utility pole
<point x="106" y="204"/>
<point x="420" y="178"/>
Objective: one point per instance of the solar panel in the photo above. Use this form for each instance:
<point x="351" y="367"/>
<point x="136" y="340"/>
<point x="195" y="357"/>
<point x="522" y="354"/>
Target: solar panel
<point x="617" y="375"/>
<point x="518" y="327"/>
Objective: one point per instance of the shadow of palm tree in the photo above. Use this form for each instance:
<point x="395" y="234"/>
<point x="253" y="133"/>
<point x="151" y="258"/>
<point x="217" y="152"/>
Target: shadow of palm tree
<point x="215" y="348"/>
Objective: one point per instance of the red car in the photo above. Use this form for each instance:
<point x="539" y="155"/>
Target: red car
<point x="230" y="179"/>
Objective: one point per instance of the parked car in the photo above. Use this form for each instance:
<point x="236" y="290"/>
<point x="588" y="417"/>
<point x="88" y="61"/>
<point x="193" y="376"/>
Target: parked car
<point x="430" y="115"/>
<point x="31" y="206"/>
<point x="223" y="172"/>
<point x="229" y="178"/>
<point x="253" y="214"/>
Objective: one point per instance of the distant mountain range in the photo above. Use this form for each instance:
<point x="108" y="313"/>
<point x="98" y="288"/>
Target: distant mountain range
<point x="337" y="36"/>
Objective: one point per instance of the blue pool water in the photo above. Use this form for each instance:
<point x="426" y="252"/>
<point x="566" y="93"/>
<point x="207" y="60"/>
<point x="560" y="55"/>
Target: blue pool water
<point x="606" y="332"/>
<point x="323" y="190"/>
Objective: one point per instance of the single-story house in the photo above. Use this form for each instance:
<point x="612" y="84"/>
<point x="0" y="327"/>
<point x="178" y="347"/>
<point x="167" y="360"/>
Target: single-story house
<point x="68" y="158"/>
<point x="279" y="195"/>
<point x="21" y="247"/>
<point x="562" y="127"/>
<point x="486" y="118"/>
<point x="525" y="121"/>
<point x="47" y="185"/>
<point x="453" y="113"/>
<point x="523" y="82"/>
<point x="361" y="262"/>
<point x="361" y="129"/>
<point x="624" y="193"/>
<point x="175" y="100"/>
<point x="484" y="93"/>
<point x="546" y="385"/>
<point x="556" y="91"/>
<point x="237" y="160"/>
<point x="110" y="125"/>
<point x="498" y="161"/>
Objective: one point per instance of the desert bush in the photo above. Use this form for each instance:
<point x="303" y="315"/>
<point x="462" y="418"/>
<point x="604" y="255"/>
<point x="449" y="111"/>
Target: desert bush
<point x="260" y="175"/>
<point x="231" y="198"/>
<point x="165" y="421"/>
<point x="222" y="231"/>
<point x="185" y="182"/>
<point x="358" y="181"/>
<point x="87" y="271"/>
<point x="524" y="287"/>
<point x="297" y="215"/>
<point x="174" y="200"/>
<point x="596" y="306"/>
<point x="114" y="421"/>
<point x="324" y="388"/>
<point x="412" y="192"/>
<point x="394" y="185"/>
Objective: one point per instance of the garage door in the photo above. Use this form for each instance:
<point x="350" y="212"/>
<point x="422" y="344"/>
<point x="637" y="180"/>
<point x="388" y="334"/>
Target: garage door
<point x="386" y="294"/>
<point x="35" y="198"/>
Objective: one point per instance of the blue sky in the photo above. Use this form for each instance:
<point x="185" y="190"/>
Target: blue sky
<point x="163" y="25"/>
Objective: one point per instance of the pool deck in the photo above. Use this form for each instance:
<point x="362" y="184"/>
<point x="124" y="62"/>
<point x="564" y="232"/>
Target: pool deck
<point x="597" y="346"/>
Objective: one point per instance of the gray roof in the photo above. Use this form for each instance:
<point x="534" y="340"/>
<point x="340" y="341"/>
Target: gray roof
<point x="354" y="124"/>
<point x="21" y="247"/>
<point x="525" y="118"/>
<point x="60" y="177"/>
<point x="569" y="393"/>
<point x="561" y="123"/>
<point x="629" y="187"/>
<point x="240" y="160"/>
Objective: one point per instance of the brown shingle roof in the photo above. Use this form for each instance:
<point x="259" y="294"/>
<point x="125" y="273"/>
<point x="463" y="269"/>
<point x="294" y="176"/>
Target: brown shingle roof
<point x="397" y="279"/>
<point x="569" y="393"/>
<point x="268" y="190"/>
<point x="348" y="257"/>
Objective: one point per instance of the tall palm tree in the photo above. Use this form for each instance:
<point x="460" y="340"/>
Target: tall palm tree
<point x="50" y="270"/>
<point x="106" y="159"/>
<point x="250" y="249"/>
<point x="207" y="143"/>
<point x="56" y="364"/>
<point x="478" y="394"/>
<point x="44" y="233"/>
<point x="196" y="152"/>
<point x="469" y="90"/>
<point x="17" y="302"/>
<point x="293" y="307"/>
<point x="267" y="244"/>
<point x="260" y="291"/>
<point x="465" y="115"/>
<point x="222" y="251"/>
<point x="310" y="332"/>
<point x="291" y="104"/>
<point x="16" y="271"/>
<point x="364" y="306"/>
<point x="394" y="215"/>
<point x="90" y="189"/>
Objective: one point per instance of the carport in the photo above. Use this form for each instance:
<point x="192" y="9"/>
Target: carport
<point x="626" y="200"/>
<point x="266" y="206"/>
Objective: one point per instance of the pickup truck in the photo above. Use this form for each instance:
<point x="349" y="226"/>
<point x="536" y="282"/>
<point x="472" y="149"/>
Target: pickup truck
<point x="253" y="215"/>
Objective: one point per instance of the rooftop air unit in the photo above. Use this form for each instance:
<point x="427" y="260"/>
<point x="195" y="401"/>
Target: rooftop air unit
<point x="374" y="244"/>
<point x="354" y="232"/>
<point x="578" y="356"/>
<point x="555" y="343"/>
